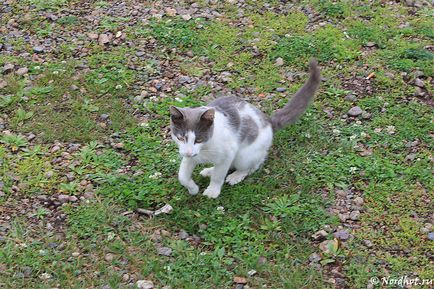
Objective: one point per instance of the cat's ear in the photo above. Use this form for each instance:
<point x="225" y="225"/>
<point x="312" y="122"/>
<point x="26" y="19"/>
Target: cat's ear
<point x="176" y="114"/>
<point x="208" y="116"/>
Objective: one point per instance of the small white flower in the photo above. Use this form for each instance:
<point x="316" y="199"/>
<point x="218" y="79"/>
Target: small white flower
<point x="336" y="131"/>
<point x="353" y="169"/>
<point x="202" y="253"/>
<point x="144" y="124"/>
<point x="118" y="86"/>
<point x="155" y="176"/>
<point x="172" y="160"/>
<point x="390" y="129"/>
<point x="55" y="72"/>
<point x="353" y="137"/>
<point x="307" y="135"/>
<point x="45" y="276"/>
<point x="167" y="268"/>
<point x="110" y="236"/>
<point x="42" y="252"/>
<point x="37" y="67"/>
<point x="178" y="99"/>
<point x="363" y="134"/>
<point x="220" y="209"/>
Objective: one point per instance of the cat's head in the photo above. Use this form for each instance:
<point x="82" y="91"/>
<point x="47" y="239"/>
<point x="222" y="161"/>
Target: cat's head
<point x="191" y="128"/>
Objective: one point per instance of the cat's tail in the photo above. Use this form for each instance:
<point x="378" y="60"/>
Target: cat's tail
<point x="298" y="104"/>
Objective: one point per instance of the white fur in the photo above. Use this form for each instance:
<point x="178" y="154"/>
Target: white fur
<point x="224" y="151"/>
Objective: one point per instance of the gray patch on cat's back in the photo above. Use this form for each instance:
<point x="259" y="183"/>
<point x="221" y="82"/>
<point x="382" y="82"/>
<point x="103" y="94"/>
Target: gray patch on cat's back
<point x="229" y="106"/>
<point x="249" y="129"/>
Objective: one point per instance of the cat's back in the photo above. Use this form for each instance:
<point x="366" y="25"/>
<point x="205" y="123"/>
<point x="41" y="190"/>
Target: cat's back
<point x="242" y="116"/>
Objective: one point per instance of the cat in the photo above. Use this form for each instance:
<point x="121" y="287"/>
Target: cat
<point x="230" y="133"/>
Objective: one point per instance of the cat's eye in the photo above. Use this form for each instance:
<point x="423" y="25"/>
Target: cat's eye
<point x="181" y="138"/>
<point x="198" y="140"/>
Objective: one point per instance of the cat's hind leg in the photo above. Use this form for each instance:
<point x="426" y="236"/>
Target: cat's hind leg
<point x="206" y="172"/>
<point x="236" y="177"/>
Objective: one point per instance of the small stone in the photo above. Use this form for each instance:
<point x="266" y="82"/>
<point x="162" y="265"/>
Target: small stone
<point x="431" y="236"/>
<point x="49" y="174"/>
<point x="52" y="245"/>
<point x="240" y="280"/>
<point x="343" y="217"/>
<point x="118" y="34"/>
<point x="368" y="243"/>
<point x="75" y="254"/>
<point x="350" y="97"/>
<point x="3" y="84"/>
<point x="109" y="257"/>
<point x="279" y="61"/>
<point x="22" y="71"/>
<point x="355" y="111"/>
<point x="419" y="82"/>
<point x="118" y="145"/>
<point x="170" y="12"/>
<point x="324" y="246"/>
<point x="342" y="234"/>
<point x="358" y="201"/>
<point x="31" y="136"/>
<point x="54" y="149"/>
<point x="93" y="36"/>
<point x="314" y="258"/>
<point x="280" y="89"/>
<point x="140" y="53"/>
<point x="341" y="193"/>
<point x="125" y="277"/>
<point x="144" y="284"/>
<point x="104" y="116"/>
<point x="251" y="272"/>
<point x="63" y="198"/>
<point x="165" y="251"/>
<point x="370" y="44"/>
<point x="103" y="39"/>
<point x="366" y="115"/>
<point x="186" y="17"/>
<point x="183" y="235"/>
<point x="73" y="199"/>
<point x="88" y="195"/>
<point x="355" y="215"/>
<point x="38" y="49"/>
<point x="8" y="68"/>
<point x="320" y="235"/>
<point x="106" y="286"/>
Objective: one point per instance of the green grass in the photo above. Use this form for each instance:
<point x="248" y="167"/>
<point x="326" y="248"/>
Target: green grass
<point x="263" y="224"/>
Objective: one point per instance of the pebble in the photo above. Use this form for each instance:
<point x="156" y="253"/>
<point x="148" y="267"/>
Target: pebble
<point x="355" y="215"/>
<point x="38" y="49"/>
<point x="324" y="246"/>
<point x="342" y="235"/>
<point x="355" y="111"/>
<point x="350" y="97"/>
<point x="140" y="53"/>
<point x="170" y="12"/>
<point x="183" y="235"/>
<point x="22" y="71"/>
<point x="54" y="149"/>
<point x="109" y="257"/>
<point x="103" y="39"/>
<point x="419" y="82"/>
<point x="279" y="61"/>
<point x="368" y="243"/>
<point x="370" y="44"/>
<point x="280" y="89"/>
<point x="49" y="174"/>
<point x="314" y="258"/>
<point x="341" y="193"/>
<point x="320" y="235"/>
<point x="165" y="251"/>
<point x="63" y="198"/>
<point x="7" y="68"/>
<point x="240" y="280"/>
<point x="431" y="236"/>
<point x="125" y="277"/>
<point x="186" y="17"/>
<point x="358" y="201"/>
<point x="144" y="284"/>
<point x="73" y="199"/>
<point x="75" y="254"/>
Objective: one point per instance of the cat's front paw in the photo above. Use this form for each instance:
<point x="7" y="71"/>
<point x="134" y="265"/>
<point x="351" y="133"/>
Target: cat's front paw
<point x="211" y="193"/>
<point x="193" y="189"/>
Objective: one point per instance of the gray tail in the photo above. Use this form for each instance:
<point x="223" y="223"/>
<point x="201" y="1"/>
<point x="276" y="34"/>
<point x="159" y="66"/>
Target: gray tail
<point x="298" y="104"/>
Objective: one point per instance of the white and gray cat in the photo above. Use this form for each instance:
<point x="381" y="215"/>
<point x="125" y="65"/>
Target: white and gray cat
<point x="231" y="134"/>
